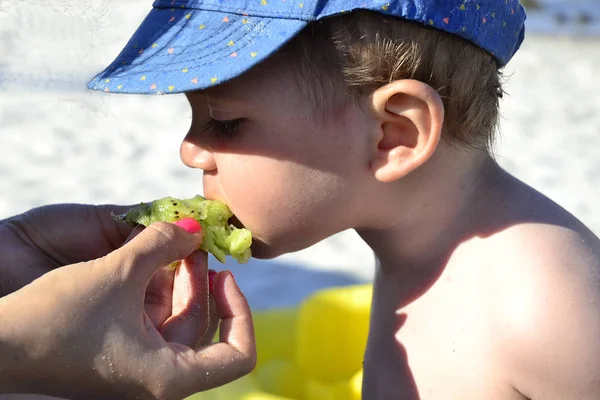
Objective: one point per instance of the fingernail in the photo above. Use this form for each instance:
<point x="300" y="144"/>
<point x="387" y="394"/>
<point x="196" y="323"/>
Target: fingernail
<point x="211" y="278"/>
<point x="232" y="277"/>
<point x="189" y="224"/>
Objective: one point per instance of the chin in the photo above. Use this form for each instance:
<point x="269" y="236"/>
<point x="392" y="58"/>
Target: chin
<point x="263" y="251"/>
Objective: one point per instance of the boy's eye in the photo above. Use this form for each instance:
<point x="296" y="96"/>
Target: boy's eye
<point x="223" y="129"/>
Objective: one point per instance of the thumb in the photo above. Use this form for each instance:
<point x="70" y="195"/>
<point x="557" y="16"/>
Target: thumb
<point x="157" y="246"/>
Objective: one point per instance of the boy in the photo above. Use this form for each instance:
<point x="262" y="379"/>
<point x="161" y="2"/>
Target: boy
<point x="311" y="117"/>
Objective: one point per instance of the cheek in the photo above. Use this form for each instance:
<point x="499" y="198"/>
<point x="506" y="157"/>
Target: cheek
<point x="256" y="188"/>
<point x="251" y="185"/>
<point x="295" y="192"/>
<point x="287" y="206"/>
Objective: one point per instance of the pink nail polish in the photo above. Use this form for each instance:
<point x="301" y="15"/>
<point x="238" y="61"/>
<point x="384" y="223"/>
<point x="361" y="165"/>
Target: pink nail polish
<point x="211" y="278"/>
<point x="189" y="224"/>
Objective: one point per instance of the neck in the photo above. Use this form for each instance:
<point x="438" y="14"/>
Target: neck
<point x="432" y="213"/>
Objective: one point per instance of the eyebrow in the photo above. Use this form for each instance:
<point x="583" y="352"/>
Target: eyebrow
<point x="222" y="94"/>
<point x="218" y="99"/>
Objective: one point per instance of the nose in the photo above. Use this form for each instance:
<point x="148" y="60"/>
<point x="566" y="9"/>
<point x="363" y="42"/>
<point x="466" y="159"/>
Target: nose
<point x="195" y="155"/>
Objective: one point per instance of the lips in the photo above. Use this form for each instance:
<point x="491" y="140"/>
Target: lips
<point x="209" y="194"/>
<point x="236" y="222"/>
<point x="233" y="220"/>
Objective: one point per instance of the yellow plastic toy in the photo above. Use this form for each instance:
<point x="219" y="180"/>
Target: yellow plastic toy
<point x="346" y="390"/>
<point x="276" y="332"/>
<point x="312" y="352"/>
<point x="332" y="332"/>
<point x="282" y="377"/>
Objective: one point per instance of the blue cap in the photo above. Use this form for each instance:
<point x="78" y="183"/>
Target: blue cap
<point x="186" y="45"/>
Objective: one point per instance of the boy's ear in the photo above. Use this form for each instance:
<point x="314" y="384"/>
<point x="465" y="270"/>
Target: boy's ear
<point x="409" y="116"/>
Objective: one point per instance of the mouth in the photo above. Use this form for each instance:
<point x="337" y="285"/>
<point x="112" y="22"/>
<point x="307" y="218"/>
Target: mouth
<point x="236" y="222"/>
<point x="233" y="220"/>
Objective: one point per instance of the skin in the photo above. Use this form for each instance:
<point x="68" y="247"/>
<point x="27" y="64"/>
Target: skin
<point x="484" y="289"/>
<point x="112" y="321"/>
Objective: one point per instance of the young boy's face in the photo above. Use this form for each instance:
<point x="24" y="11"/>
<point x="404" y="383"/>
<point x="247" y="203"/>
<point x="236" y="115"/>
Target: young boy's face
<point x="291" y="180"/>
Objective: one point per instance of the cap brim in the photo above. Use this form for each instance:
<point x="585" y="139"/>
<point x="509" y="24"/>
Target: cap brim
<point x="180" y="50"/>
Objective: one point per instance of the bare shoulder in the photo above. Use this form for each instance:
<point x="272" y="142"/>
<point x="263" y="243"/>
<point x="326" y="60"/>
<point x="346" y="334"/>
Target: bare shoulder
<point x="546" y="296"/>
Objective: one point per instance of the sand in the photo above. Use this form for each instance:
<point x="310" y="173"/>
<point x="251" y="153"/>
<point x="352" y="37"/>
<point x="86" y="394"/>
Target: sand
<point x="59" y="143"/>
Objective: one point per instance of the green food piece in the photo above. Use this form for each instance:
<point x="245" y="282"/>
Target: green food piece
<point x="220" y="238"/>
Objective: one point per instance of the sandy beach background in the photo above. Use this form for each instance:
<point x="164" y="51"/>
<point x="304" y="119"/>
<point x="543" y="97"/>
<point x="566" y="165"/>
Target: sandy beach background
<point x="59" y="143"/>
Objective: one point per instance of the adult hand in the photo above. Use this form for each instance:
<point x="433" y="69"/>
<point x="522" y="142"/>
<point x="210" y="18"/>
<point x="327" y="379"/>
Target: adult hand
<point x="85" y="331"/>
<point x="48" y="237"/>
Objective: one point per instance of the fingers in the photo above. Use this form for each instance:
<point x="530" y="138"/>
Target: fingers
<point x="233" y="310"/>
<point x="189" y="319"/>
<point x="158" y="245"/>
<point x="190" y="371"/>
<point x="115" y="231"/>
<point x="158" y="299"/>
<point x="213" y="323"/>
<point x="235" y="355"/>
<point x="71" y="233"/>
<point x="134" y="232"/>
